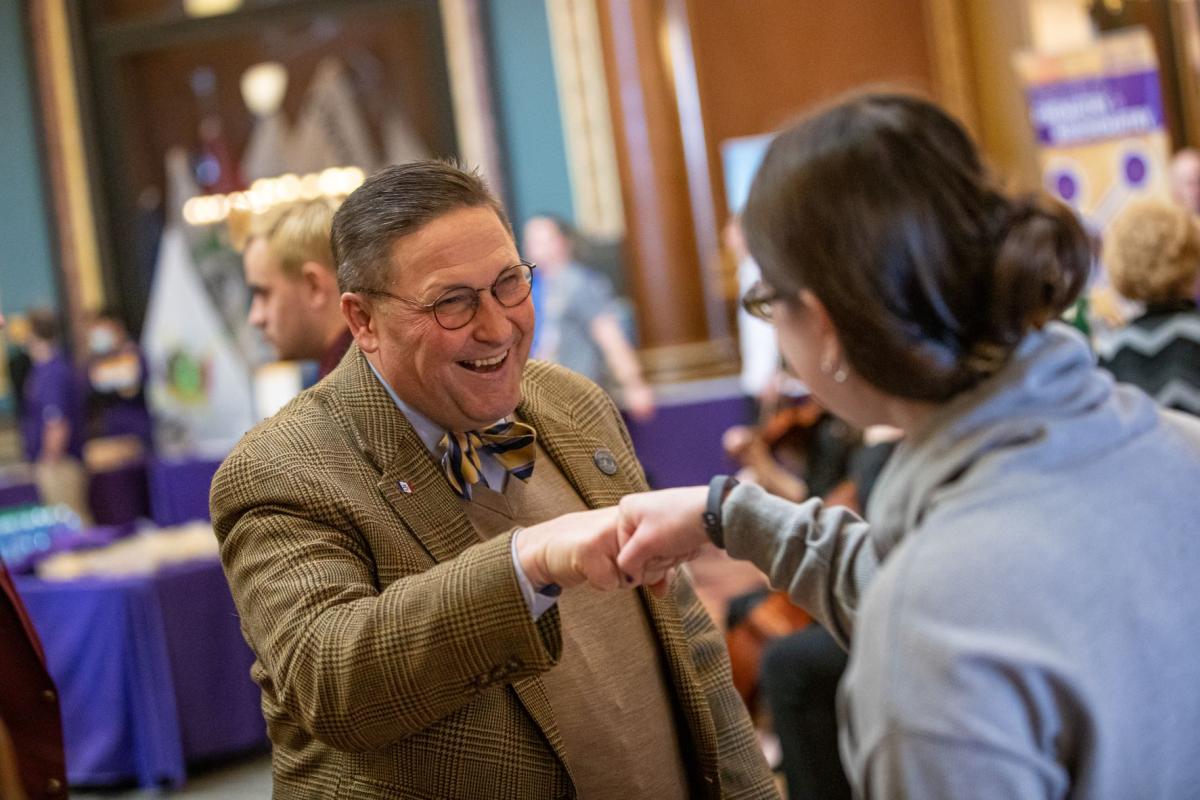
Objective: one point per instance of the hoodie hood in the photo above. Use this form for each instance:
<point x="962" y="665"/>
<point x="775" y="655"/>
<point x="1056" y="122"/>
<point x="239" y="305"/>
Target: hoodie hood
<point x="1047" y="408"/>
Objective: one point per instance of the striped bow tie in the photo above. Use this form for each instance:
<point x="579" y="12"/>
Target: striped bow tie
<point x="510" y="443"/>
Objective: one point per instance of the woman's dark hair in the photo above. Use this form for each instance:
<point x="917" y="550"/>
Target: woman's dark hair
<point x="880" y="206"/>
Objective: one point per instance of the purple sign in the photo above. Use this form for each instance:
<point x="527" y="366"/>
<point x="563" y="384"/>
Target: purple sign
<point x="1094" y="109"/>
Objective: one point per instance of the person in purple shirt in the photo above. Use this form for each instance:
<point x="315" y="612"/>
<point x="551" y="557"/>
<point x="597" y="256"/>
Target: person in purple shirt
<point x="116" y="377"/>
<point x="52" y="422"/>
<point x="31" y="740"/>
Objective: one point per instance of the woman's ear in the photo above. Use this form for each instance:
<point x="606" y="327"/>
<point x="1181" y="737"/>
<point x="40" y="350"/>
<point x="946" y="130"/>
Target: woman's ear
<point x="820" y="328"/>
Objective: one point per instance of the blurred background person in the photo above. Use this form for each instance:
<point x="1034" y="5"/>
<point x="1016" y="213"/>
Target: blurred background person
<point x="19" y="362"/>
<point x="578" y="324"/>
<point x="1152" y="253"/>
<point x="31" y="740"/>
<point x="1185" y="179"/>
<point x="116" y="377"/>
<point x="295" y="301"/>
<point x="52" y="421"/>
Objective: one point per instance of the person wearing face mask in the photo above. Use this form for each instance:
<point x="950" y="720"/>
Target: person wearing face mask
<point x="116" y="373"/>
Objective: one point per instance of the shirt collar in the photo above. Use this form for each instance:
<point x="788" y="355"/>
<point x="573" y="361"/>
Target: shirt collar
<point x="429" y="431"/>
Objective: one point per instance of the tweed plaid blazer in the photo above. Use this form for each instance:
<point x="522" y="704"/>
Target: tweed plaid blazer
<point x="395" y="653"/>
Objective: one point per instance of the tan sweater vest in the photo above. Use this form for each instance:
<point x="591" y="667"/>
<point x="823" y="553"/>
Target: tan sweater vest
<point x="609" y="691"/>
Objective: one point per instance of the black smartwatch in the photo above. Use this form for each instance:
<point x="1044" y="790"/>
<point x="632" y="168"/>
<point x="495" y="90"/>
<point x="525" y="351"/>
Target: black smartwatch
<point x="718" y="489"/>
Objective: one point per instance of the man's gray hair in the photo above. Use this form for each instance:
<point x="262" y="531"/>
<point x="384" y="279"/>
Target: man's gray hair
<point x="393" y="203"/>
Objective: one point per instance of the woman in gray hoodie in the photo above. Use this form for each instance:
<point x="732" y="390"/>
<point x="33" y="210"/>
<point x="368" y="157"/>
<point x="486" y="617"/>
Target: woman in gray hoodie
<point x="1020" y="602"/>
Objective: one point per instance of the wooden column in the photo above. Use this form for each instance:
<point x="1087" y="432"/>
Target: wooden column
<point x="682" y="337"/>
<point x="82" y="284"/>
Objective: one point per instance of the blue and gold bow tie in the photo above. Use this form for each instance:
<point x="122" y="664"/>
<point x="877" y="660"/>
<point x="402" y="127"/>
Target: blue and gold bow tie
<point x="510" y="443"/>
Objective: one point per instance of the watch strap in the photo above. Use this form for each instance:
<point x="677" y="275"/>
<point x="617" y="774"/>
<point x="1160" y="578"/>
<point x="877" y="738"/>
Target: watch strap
<point x="718" y="489"/>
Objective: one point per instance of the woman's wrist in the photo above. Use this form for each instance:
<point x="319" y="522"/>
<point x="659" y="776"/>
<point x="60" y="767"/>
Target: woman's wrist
<point x="718" y="489"/>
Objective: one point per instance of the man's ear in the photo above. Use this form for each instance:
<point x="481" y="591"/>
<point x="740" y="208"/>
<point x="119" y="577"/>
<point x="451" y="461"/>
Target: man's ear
<point x="360" y="318"/>
<point x="320" y="284"/>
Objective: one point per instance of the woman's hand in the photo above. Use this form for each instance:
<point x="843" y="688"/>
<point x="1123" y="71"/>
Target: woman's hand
<point x="658" y="531"/>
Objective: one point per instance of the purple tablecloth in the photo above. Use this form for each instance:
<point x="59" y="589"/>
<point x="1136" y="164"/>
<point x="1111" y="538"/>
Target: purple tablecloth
<point x="179" y="489"/>
<point x="121" y="495"/>
<point x="681" y="446"/>
<point x="152" y="672"/>
<point x="18" y="494"/>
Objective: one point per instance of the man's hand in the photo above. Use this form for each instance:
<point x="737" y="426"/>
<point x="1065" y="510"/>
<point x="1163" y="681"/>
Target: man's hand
<point x="572" y="549"/>
<point x="658" y="531"/>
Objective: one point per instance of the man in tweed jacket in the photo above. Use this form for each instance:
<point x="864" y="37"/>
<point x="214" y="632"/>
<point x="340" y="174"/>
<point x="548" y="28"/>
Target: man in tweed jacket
<point x="406" y="646"/>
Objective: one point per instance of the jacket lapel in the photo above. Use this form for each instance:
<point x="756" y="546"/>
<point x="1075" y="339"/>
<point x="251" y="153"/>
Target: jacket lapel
<point x="566" y="440"/>
<point x="411" y="479"/>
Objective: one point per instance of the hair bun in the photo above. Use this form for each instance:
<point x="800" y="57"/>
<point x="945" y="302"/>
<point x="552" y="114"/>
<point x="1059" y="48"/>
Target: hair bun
<point x="1041" y="265"/>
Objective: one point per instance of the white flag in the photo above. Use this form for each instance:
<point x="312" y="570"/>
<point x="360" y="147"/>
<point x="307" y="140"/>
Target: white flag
<point x="199" y="386"/>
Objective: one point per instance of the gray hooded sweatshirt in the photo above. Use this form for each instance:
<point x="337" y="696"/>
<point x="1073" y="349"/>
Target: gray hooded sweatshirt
<point x="1023" y="601"/>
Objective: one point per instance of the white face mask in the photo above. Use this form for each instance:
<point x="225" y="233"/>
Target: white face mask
<point x="101" y="341"/>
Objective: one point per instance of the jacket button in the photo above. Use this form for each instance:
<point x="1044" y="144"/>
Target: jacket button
<point x="53" y="786"/>
<point x="49" y="696"/>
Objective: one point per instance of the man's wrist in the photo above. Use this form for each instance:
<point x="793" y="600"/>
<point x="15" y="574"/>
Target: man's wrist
<point x="525" y="546"/>
<point x="718" y="489"/>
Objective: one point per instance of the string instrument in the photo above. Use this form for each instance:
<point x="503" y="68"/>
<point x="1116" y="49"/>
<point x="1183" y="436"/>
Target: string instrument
<point x="789" y="433"/>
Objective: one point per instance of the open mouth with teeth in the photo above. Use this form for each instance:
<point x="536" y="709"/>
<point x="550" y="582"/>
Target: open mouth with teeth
<point x="485" y="364"/>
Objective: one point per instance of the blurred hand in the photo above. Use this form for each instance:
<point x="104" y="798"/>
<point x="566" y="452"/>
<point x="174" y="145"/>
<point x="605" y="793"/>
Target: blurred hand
<point x="738" y="441"/>
<point x="571" y="550"/>
<point x="639" y="401"/>
<point x="658" y="531"/>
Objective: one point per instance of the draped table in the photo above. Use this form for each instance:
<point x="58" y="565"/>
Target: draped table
<point x="152" y="672"/>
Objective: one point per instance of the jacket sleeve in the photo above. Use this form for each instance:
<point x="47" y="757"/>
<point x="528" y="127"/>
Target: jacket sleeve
<point x="743" y="768"/>
<point x="357" y="667"/>
<point x="820" y="555"/>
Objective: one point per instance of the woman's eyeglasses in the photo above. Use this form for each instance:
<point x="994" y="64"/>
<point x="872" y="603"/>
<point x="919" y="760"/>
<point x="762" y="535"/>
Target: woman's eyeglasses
<point x="759" y="301"/>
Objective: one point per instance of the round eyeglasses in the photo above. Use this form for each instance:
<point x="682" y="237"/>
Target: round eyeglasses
<point x="456" y="307"/>
<point x="759" y="301"/>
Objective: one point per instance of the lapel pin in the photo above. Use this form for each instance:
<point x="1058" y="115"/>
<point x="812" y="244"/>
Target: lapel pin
<point x="606" y="462"/>
<point x="404" y="487"/>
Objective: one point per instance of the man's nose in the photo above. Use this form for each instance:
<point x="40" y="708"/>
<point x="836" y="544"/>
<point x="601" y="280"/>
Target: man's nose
<point x="491" y="319"/>
<point x="256" y="318"/>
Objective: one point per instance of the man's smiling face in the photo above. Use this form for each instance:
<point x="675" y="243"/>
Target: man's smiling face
<point x="467" y="378"/>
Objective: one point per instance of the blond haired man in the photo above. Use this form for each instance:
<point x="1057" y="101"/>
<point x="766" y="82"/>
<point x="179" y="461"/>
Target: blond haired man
<point x="295" y="299"/>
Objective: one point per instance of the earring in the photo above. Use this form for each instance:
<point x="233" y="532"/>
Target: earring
<point x="839" y="375"/>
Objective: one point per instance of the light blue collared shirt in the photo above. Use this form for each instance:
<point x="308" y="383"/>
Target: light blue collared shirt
<point x="494" y="474"/>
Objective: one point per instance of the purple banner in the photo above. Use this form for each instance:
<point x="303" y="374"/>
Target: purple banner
<point x="1094" y="109"/>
